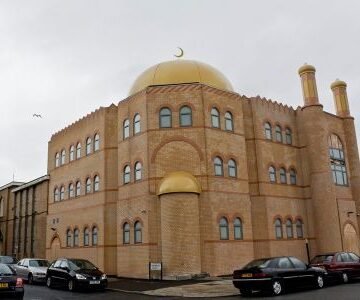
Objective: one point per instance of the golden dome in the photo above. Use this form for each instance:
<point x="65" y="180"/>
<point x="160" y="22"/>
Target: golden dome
<point x="306" y="68"/>
<point x="179" y="182"/>
<point x="338" y="83"/>
<point x="181" y="71"/>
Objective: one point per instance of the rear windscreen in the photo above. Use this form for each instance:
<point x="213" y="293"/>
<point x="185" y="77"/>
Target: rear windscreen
<point x="322" y="259"/>
<point x="259" y="263"/>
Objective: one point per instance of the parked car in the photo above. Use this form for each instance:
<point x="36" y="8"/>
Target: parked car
<point x="75" y="274"/>
<point x="10" y="284"/>
<point x="32" y="269"/>
<point x="277" y="274"/>
<point x="8" y="260"/>
<point x="342" y="266"/>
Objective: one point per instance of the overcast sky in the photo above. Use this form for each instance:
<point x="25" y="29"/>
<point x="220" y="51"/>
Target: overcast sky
<point x="63" y="59"/>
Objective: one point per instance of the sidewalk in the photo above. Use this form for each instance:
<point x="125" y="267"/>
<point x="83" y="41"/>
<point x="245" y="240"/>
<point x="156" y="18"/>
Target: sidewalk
<point x="208" y="287"/>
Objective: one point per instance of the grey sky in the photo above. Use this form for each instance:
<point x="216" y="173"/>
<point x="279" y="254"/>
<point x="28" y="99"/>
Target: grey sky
<point x="63" y="59"/>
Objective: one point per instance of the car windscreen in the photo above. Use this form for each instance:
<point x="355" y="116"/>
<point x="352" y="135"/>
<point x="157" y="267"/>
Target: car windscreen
<point x="5" y="270"/>
<point x="7" y="260"/>
<point x="320" y="259"/>
<point x="77" y="264"/>
<point x="258" y="263"/>
<point x="38" y="263"/>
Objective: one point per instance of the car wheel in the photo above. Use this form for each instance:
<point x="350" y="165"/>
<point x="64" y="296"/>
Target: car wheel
<point x="30" y="279"/>
<point x="71" y="285"/>
<point x="319" y="281"/>
<point x="49" y="282"/>
<point x="345" y="278"/>
<point x="277" y="287"/>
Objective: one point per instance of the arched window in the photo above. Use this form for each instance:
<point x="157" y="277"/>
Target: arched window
<point x="272" y="174"/>
<point x="165" y="118"/>
<point x="126" y="174"/>
<point x="88" y="186"/>
<point x="278" y="229"/>
<point x="126" y="129"/>
<point x="62" y="193"/>
<point x="229" y="121"/>
<point x="215" y="120"/>
<point x="137" y="127"/>
<point x="224" y="229"/>
<point x="94" y="236"/>
<point x="337" y="160"/>
<point x="76" y="237"/>
<point x="278" y="134"/>
<point x="72" y="153"/>
<point x="96" y="142"/>
<point x="288" y="136"/>
<point x="138" y="167"/>
<point x="57" y="159"/>
<point x="68" y="238"/>
<point x="268" y="131"/>
<point x="96" y="183"/>
<point x="238" y="229"/>
<point x="283" y="175"/>
<point x="218" y="166"/>
<point x="126" y="233"/>
<point x="88" y="145"/>
<point x="137" y="232"/>
<point x="78" y="189"/>
<point x="299" y="229"/>
<point x="232" y="168"/>
<point x="78" y="150"/>
<point x="86" y="237"/>
<point x="292" y="176"/>
<point x="56" y="194"/>
<point x="71" y="190"/>
<point x="289" y="229"/>
<point x="185" y="116"/>
<point x="63" y="156"/>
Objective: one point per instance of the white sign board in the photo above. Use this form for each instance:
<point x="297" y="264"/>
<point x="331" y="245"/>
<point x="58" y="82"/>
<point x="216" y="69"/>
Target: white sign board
<point x="155" y="266"/>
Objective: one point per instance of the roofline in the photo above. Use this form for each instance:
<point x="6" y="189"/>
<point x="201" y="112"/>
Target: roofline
<point x="31" y="183"/>
<point x="10" y="184"/>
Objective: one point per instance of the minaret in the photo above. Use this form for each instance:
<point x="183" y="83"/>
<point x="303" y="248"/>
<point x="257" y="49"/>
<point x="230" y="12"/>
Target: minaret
<point x="322" y="204"/>
<point x="338" y="88"/>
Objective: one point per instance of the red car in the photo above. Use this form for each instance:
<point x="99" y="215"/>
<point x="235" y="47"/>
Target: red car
<point x="341" y="266"/>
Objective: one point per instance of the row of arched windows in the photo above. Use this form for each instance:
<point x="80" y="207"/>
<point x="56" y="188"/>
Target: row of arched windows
<point x="137" y="233"/>
<point x="185" y="117"/>
<point x="136" y="126"/>
<point x="92" y="145"/>
<point x="219" y="167"/>
<point x="279" y="136"/>
<point x="288" y="228"/>
<point x="73" y="237"/>
<point x="74" y="190"/>
<point x="224" y="229"/>
<point x="282" y="175"/>
<point x="215" y="119"/>
<point x="127" y="172"/>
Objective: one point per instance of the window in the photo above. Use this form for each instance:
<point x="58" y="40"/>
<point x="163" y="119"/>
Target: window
<point x="126" y="174"/>
<point x="71" y="190"/>
<point x="288" y="136"/>
<point x="94" y="236"/>
<point x="57" y="159"/>
<point x="56" y="194"/>
<point x="285" y="263"/>
<point x="292" y="176"/>
<point x="283" y="175"/>
<point x="137" y="233"/>
<point x="165" y="118"/>
<point x="78" y="189"/>
<point x="63" y="156"/>
<point x="354" y="257"/>
<point x="272" y="174"/>
<point x="215" y="121"/>
<point x="62" y="193"/>
<point x="68" y="238"/>
<point x="96" y="142"/>
<point x="238" y="232"/>
<point x="337" y="160"/>
<point x="86" y="237"/>
<point x="224" y="229"/>
<point x="126" y="129"/>
<point x="298" y="263"/>
<point x="76" y="237"/>
<point x="138" y="167"/>
<point x="88" y="186"/>
<point x="232" y="168"/>
<point x="278" y="229"/>
<point x="299" y="229"/>
<point x="137" y="127"/>
<point x="289" y="229"/>
<point x="72" y="153"/>
<point x="185" y="116"/>
<point x="278" y="134"/>
<point x="78" y="150"/>
<point x="218" y="166"/>
<point x="88" y="146"/>
<point x="229" y="121"/>
<point x="96" y="183"/>
<point x="268" y="131"/>
<point x="126" y="233"/>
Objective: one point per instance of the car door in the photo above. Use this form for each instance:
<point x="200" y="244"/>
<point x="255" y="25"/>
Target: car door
<point x="64" y="272"/>
<point x="19" y="268"/>
<point x="25" y="269"/>
<point x="54" y="272"/>
<point x="350" y="265"/>
<point x="356" y="261"/>
<point x="287" y="272"/>
<point x="305" y="277"/>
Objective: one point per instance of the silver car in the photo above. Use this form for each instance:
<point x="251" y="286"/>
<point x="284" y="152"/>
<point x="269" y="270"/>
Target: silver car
<point x="32" y="269"/>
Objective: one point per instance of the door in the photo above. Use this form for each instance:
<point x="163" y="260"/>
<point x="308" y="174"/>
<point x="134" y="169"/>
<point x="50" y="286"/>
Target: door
<point x="287" y="272"/>
<point x="55" y="249"/>
<point x="351" y="243"/>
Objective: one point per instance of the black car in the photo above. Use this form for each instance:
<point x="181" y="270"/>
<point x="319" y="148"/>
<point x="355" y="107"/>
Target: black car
<point x="10" y="285"/>
<point x="8" y="260"/>
<point x="275" y="274"/>
<point x="75" y="274"/>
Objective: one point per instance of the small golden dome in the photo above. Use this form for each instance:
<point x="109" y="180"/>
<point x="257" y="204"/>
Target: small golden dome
<point x="181" y="71"/>
<point x="338" y="83"/>
<point x="179" y="182"/>
<point x="306" y="68"/>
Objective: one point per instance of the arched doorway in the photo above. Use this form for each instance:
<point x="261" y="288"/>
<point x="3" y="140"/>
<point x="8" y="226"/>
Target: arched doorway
<point x="351" y="242"/>
<point x="55" y="249"/>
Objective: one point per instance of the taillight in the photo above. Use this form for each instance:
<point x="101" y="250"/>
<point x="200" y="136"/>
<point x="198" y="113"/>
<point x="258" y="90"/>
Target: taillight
<point x="259" y="275"/>
<point x="19" y="282"/>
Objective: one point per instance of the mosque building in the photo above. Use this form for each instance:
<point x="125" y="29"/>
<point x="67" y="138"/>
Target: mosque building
<point x="187" y="172"/>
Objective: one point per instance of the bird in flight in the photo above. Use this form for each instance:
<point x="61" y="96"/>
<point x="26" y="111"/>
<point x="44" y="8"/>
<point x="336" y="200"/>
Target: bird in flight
<point x="37" y="116"/>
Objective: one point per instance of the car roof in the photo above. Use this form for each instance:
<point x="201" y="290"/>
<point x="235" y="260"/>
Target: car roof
<point x="327" y="254"/>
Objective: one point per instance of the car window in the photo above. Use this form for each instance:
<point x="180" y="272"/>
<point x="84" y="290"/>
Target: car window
<point x="64" y="264"/>
<point x="20" y="263"/>
<point x="298" y="263"/>
<point x="4" y="269"/>
<point x="38" y="263"/>
<point x="57" y="264"/>
<point x="338" y="258"/>
<point x="354" y="257"/>
<point x="319" y="259"/>
<point x="260" y="263"/>
<point x="25" y="262"/>
<point x="284" y="263"/>
<point x="7" y="260"/>
<point x="345" y="257"/>
<point x="77" y="264"/>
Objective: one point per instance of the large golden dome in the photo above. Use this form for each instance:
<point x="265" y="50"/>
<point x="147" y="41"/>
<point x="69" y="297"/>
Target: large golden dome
<point x="181" y="71"/>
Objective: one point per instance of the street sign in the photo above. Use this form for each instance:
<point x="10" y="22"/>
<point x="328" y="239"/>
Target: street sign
<point x="155" y="266"/>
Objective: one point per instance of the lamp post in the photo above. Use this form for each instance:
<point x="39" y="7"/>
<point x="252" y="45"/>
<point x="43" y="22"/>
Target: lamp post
<point x="307" y="250"/>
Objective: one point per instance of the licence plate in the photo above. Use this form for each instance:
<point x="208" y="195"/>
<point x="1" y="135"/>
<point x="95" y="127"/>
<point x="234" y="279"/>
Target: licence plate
<point x="4" y="285"/>
<point x="246" y="275"/>
<point x="94" y="281"/>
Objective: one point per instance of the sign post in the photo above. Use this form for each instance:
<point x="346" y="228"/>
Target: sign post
<point x="155" y="267"/>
